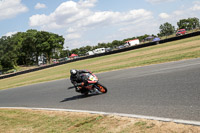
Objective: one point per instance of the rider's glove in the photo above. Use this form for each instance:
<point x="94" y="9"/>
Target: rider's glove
<point x="82" y="83"/>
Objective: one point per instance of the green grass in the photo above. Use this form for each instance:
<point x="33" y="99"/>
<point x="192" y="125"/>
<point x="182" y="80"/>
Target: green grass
<point x="172" y="51"/>
<point x="26" y="121"/>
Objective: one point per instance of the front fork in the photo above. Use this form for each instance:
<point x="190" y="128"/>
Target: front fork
<point x="96" y="89"/>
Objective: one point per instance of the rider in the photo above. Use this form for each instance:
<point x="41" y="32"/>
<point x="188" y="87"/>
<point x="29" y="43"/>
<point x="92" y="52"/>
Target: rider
<point x="77" y="79"/>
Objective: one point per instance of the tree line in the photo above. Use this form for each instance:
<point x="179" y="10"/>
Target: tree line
<point x="24" y="48"/>
<point x="83" y="50"/>
<point x="166" y="29"/>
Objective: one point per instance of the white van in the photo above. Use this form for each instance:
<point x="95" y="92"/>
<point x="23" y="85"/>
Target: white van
<point x="90" y="53"/>
<point x="132" y="42"/>
<point x="99" y="50"/>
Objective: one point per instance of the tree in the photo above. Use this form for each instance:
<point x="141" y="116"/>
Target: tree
<point x="116" y="43"/>
<point x="24" y="48"/>
<point x="166" y="29"/>
<point x="9" y="50"/>
<point x="182" y="24"/>
<point x="75" y="51"/>
<point x="88" y="48"/>
<point x="36" y="43"/>
<point x="102" y="45"/>
<point x="50" y="43"/>
<point x="1" y="67"/>
<point x="65" y="53"/>
<point x="188" y="24"/>
<point x="194" y="23"/>
<point x="29" y="49"/>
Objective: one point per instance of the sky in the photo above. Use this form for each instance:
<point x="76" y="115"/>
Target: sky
<point x="89" y="22"/>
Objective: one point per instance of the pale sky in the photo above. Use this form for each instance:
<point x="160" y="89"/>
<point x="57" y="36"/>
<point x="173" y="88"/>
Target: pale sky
<point x="89" y="22"/>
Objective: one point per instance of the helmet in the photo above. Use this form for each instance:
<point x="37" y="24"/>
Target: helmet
<point x="73" y="72"/>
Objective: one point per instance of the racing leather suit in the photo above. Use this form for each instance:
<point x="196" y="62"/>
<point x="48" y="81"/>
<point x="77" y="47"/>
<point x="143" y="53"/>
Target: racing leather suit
<point x="78" y="80"/>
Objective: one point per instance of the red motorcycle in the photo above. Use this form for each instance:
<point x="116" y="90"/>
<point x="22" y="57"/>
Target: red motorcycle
<point x="93" y="85"/>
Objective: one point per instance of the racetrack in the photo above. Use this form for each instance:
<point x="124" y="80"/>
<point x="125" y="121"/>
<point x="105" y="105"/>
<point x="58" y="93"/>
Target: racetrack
<point x="170" y="90"/>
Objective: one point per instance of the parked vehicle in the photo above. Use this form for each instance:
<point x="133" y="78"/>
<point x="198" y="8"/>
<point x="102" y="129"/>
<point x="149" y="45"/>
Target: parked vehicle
<point x="180" y="32"/>
<point x="121" y="46"/>
<point x="99" y="50"/>
<point x="90" y="53"/>
<point x="156" y="39"/>
<point x="132" y="42"/>
<point x="63" y="59"/>
<point x="54" y="61"/>
<point x="93" y="85"/>
<point x="108" y="49"/>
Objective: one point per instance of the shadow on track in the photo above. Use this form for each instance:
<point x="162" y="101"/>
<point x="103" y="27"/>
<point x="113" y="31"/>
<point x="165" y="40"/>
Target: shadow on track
<point x="78" y="97"/>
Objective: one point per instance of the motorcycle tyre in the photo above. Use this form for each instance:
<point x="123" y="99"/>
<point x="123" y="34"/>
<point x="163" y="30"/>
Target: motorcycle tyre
<point x="84" y="92"/>
<point x="101" y="88"/>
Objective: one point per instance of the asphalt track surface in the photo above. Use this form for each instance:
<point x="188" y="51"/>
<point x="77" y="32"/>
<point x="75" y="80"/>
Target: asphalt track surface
<point x="168" y="90"/>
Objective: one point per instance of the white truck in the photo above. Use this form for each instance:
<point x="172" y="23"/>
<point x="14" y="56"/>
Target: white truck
<point x="99" y="50"/>
<point x="132" y="42"/>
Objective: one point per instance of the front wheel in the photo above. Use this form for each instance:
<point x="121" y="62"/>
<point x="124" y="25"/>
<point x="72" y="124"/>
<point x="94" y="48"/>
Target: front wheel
<point x="101" y="88"/>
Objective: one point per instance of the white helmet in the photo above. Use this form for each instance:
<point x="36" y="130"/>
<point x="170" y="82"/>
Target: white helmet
<point x="73" y="72"/>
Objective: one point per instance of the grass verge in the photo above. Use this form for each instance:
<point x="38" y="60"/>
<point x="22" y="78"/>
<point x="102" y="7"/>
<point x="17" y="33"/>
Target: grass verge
<point x="172" y="51"/>
<point x="23" y="121"/>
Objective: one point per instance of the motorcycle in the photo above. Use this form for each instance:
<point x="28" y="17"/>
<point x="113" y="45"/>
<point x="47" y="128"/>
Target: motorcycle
<point x="93" y="85"/>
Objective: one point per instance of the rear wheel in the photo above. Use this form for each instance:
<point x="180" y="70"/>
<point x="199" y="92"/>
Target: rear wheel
<point x="101" y="88"/>
<point x="84" y="91"/>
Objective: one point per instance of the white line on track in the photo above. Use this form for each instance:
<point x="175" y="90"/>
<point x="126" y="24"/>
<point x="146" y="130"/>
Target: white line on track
<point x="188" y="122"/>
